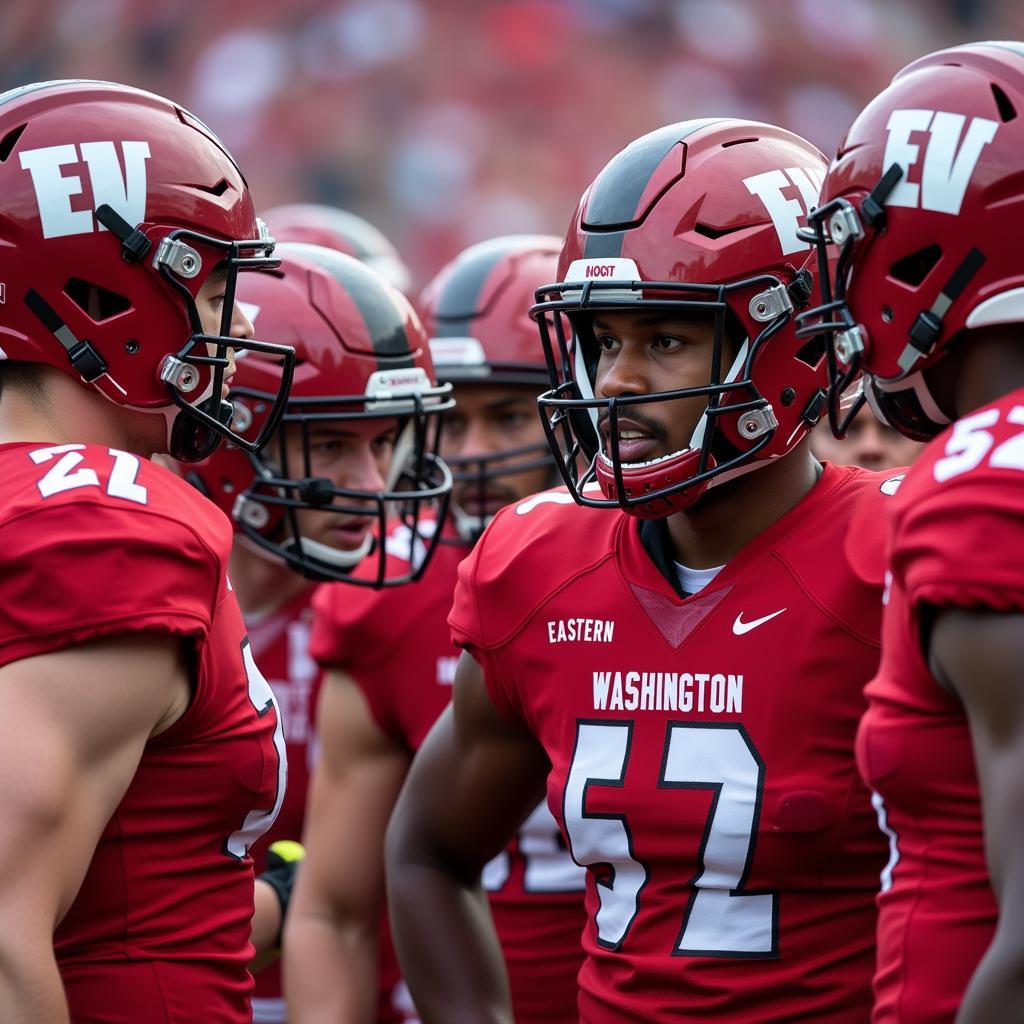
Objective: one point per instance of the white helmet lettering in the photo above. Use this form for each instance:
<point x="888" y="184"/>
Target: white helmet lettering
<point x="786" y="213"/>
<point x="124" y="192"/>
<point x="947" y="169"/>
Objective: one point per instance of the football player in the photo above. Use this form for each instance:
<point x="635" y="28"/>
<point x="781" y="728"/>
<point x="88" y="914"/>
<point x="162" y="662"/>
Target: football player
<point x="390" y="663"/>
<point x="342" y="231"/>
<point x="680" y="662"/>
<point x="354" y="451"/>
<point x="144" y="751"/>
<point x="924" y="201"/>
<point x="868" y="443"/>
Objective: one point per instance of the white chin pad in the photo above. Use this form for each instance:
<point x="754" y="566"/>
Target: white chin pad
<point x="338" y="557"/>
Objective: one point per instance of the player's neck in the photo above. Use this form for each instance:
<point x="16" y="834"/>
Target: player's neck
<point x="61" y="411"/>
<point x="262" y="585"/>
<point x="729" y="516"/>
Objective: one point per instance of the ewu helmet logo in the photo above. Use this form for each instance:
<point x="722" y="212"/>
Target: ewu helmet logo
<point x="787" y="212"/>
<point x="947" y="168"/>
<point x="126" y="192"/>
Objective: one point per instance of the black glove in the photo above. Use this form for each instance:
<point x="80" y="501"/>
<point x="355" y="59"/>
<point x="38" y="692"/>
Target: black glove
<point x="282" y="862"/>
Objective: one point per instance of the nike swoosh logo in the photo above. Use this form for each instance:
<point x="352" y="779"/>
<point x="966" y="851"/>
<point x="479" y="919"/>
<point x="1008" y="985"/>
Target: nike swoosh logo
<point x="739" y="627"/>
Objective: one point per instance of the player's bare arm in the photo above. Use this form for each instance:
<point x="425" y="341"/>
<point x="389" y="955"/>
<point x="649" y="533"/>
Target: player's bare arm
<point x="331" y="935"/>
<point x="978" y="655"/>
<point x="472" y="783"/>
<point x="266" y="925"/>
<point x="64" y="766"/>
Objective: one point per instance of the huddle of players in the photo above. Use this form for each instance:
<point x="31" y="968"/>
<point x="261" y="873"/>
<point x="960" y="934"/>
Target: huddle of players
<point x="679" y="666"/>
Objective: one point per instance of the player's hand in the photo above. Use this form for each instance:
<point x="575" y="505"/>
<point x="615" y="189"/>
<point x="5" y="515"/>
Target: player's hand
<point x="283" y="859"/>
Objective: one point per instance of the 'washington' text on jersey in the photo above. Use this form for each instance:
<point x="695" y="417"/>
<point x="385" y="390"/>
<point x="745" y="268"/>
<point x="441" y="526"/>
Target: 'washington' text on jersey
<point x="717" y="692"/>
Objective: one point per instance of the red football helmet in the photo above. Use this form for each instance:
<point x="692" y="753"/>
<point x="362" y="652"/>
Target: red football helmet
<point x="921" y="202"/>
<point x="342" y="231"/>
<point x="477" y="313"/>
<point x="361" y="354"/>
<point x="698" y="216"/>
<point x="117" y="205"/>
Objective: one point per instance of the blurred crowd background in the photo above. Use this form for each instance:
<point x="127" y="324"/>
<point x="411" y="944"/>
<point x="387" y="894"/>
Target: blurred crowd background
<point x="448" y="121"/>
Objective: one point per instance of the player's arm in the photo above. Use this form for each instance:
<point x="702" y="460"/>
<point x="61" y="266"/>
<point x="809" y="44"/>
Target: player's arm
<point x="474" y="780"/>
<point x="77" y="721"/>
<point x="979" y="655"/>
<point x="272" y="895"/>
<point x="330" y="945"/>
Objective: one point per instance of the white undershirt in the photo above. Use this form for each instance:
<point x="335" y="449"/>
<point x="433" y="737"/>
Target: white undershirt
<point x="694" y="580"/>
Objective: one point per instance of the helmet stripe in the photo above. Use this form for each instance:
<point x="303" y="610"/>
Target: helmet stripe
<point x="618" y="189"/>
<point x="384" y="327"/>
<point x="604" y="245"/>
<point x="460" y="299"/>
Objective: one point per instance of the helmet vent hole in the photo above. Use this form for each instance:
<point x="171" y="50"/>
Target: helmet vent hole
<point x="812" y="353"/>
<point x="738" y="142"/>
<point x="9" y="141"/>
<point x="1003" y="104"/>
<point x="915" y="267"/>
<point x="216" y="190"/>
<point x="95" y="302"/>
<point x="710" y="232"/>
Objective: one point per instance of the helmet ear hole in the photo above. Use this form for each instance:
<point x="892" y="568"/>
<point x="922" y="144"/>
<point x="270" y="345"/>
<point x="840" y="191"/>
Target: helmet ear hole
<point x="1007" y="112"/>
<point x="10" y="140"/>
<point x="812" y="353"/>
<point x="94" y="301"/>
<point x="915" y="267"/>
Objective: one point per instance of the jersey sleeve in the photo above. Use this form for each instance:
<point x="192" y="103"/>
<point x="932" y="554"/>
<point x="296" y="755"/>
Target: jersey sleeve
<point x="962" y="543"/>
<point x="327" y="639"/>
<point x="479" y="578"/>
<point x="344" y="637"/>
<point x="76" y="572"/>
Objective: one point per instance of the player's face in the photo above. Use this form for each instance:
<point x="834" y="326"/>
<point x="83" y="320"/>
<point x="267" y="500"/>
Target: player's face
<point x="210" y="304"/>
<point x="869" y="444"/>
<point x="489" y="419"/>
<point x="645" y="352"/>
<point x="353" y="455"/>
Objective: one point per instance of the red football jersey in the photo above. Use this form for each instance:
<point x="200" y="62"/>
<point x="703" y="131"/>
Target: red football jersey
<point x="280" y="645"/>
<point x="957" y="540"/>
<point x="701" y="749"/>
<point x="397" y="646"/>
<point x="98" y="542"/>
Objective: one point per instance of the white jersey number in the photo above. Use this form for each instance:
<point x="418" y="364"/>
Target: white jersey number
<point x="970" y="441"/>
<point x="68" y="473"/>
<point x="262" y="698"/>
<point x="719" y="919"/>
<point x="548" y="866"/>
